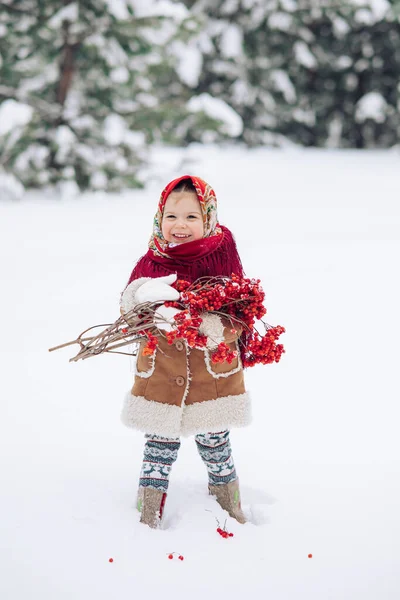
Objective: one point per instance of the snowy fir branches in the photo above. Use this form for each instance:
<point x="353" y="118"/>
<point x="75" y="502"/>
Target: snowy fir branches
<point x="87" y="87"/>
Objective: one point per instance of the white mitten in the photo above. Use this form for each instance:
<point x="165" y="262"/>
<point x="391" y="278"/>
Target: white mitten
<point x="127" y="301"/>
<point x="213" y="328"/>
<point x="166" y="313"/>
<point x="157" y="290"/>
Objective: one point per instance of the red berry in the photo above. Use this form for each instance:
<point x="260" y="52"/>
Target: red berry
<point x="170" y="556"/>
<point x="181" y="557"/>
<point x="231" y="535"/>
<point x="110" y="560"/>
<point x="310" y="556"/>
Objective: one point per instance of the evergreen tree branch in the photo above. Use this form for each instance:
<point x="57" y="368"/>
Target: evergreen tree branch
<point x="37" y="103"/>
<point x="122" y="26"/>
<point x="10" y="8"/>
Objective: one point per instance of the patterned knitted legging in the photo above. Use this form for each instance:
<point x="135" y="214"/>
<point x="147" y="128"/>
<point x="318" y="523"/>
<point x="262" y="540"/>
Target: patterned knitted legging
<point x="160" y="453"/>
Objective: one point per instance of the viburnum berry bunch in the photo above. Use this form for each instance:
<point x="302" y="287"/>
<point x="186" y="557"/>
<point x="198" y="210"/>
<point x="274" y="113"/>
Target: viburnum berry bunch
<point x="264" y="349"/>
<point x="239" y="301"/>
<point x="187" y="327"/>
<point x="151" y="345"/>
<point x="223" y="532"/>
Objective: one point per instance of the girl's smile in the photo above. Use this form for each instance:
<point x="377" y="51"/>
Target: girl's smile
<point x="182" y="218"/>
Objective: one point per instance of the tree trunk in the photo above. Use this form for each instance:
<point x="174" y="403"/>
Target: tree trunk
<point x="67" y="66"/>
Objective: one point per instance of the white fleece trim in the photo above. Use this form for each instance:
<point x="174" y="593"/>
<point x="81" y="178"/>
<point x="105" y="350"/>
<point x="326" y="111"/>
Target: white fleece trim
<point x="151" y="417"/>
<point x="188" y="374"/>
<point x="213" y="328"/>
<point x="171" y="421"/>
<point x="149" y="373"/>
<point x="207" y="360"/>
<point x="127" y="300"/>
<point x="216" y="415"/>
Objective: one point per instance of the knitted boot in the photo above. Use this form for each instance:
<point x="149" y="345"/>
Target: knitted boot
<point x="150" y="504"/>
<point x="228" y="497"/>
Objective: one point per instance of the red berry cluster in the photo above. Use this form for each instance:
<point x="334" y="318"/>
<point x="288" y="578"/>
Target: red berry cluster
<point x="263" y="349"/>
<point x="171" y="556"/>
<point x="236" y="297"/>
<point x="187" y="328"/>
<point x="223" y="353"/>
<point x="240" y="297"/>
<point x="224" y="533"/>
<point x="151" y="345"/>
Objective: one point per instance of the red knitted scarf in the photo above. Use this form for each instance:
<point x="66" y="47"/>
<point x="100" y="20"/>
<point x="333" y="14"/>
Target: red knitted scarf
<point x="216" y="255"/>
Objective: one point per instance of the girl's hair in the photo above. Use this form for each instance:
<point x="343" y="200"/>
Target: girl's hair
<point x="186" y="185"/>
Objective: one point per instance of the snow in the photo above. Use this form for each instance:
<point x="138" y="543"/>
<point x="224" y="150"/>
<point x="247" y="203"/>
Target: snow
<point x="40" y="81"/>
<point x="364" y="17"/>
<point x="243" y="93"/>
<point x="280" y="20"/>
<point x="67" y="13"/>
<point x="304" y="56"/>
<point x="231" y="6"/>
<point x="65" y="141"/>
<point x="217" y="109"/>
<point x="371" y="106"/>
<point x="119" y="75"/>
<point x="340" y="27"/>
<point x="114" y="54"/>
<point x="166" y="8"/>
<point x="189" y="62"/>
<point x="10" y="187"/>
<point x="98" y="180"/>
<point x="290" y="5"/>
<point x="304" y="116"/>
<point x="231" y="41"/>
<point x="343" y="62"/>
<point x="376" y="8"/>
<point x="36" y="155"/>
<point x="13" y="114"/>
<point x="114" y="128"/>
<point x="118" y="9"/>
<point x="319" y="466"/>
<point x="335" y="129"/>
<point x="282" y="82"/>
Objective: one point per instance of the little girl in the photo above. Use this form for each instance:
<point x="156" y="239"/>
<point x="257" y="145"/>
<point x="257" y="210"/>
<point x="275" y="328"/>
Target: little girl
<point x="179" y="391"/>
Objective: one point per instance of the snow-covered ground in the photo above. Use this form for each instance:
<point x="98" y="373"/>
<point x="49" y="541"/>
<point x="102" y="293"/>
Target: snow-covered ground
<point x="319" y="467"/>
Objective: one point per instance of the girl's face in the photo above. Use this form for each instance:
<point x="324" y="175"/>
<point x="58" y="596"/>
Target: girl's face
<point x="182" y="219"/>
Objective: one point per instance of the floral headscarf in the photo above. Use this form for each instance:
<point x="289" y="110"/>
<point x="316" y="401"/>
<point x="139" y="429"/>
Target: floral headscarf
<point x="208" y="204"/>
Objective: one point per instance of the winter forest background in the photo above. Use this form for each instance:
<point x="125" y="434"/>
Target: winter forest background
<point x="87" y="87"/>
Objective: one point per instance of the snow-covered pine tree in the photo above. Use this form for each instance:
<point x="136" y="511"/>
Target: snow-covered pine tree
<point x="315" y="72"/>
<point x="84" y="86"/>
<point x="374" y="47"/>
<point x="346" y="74"/>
